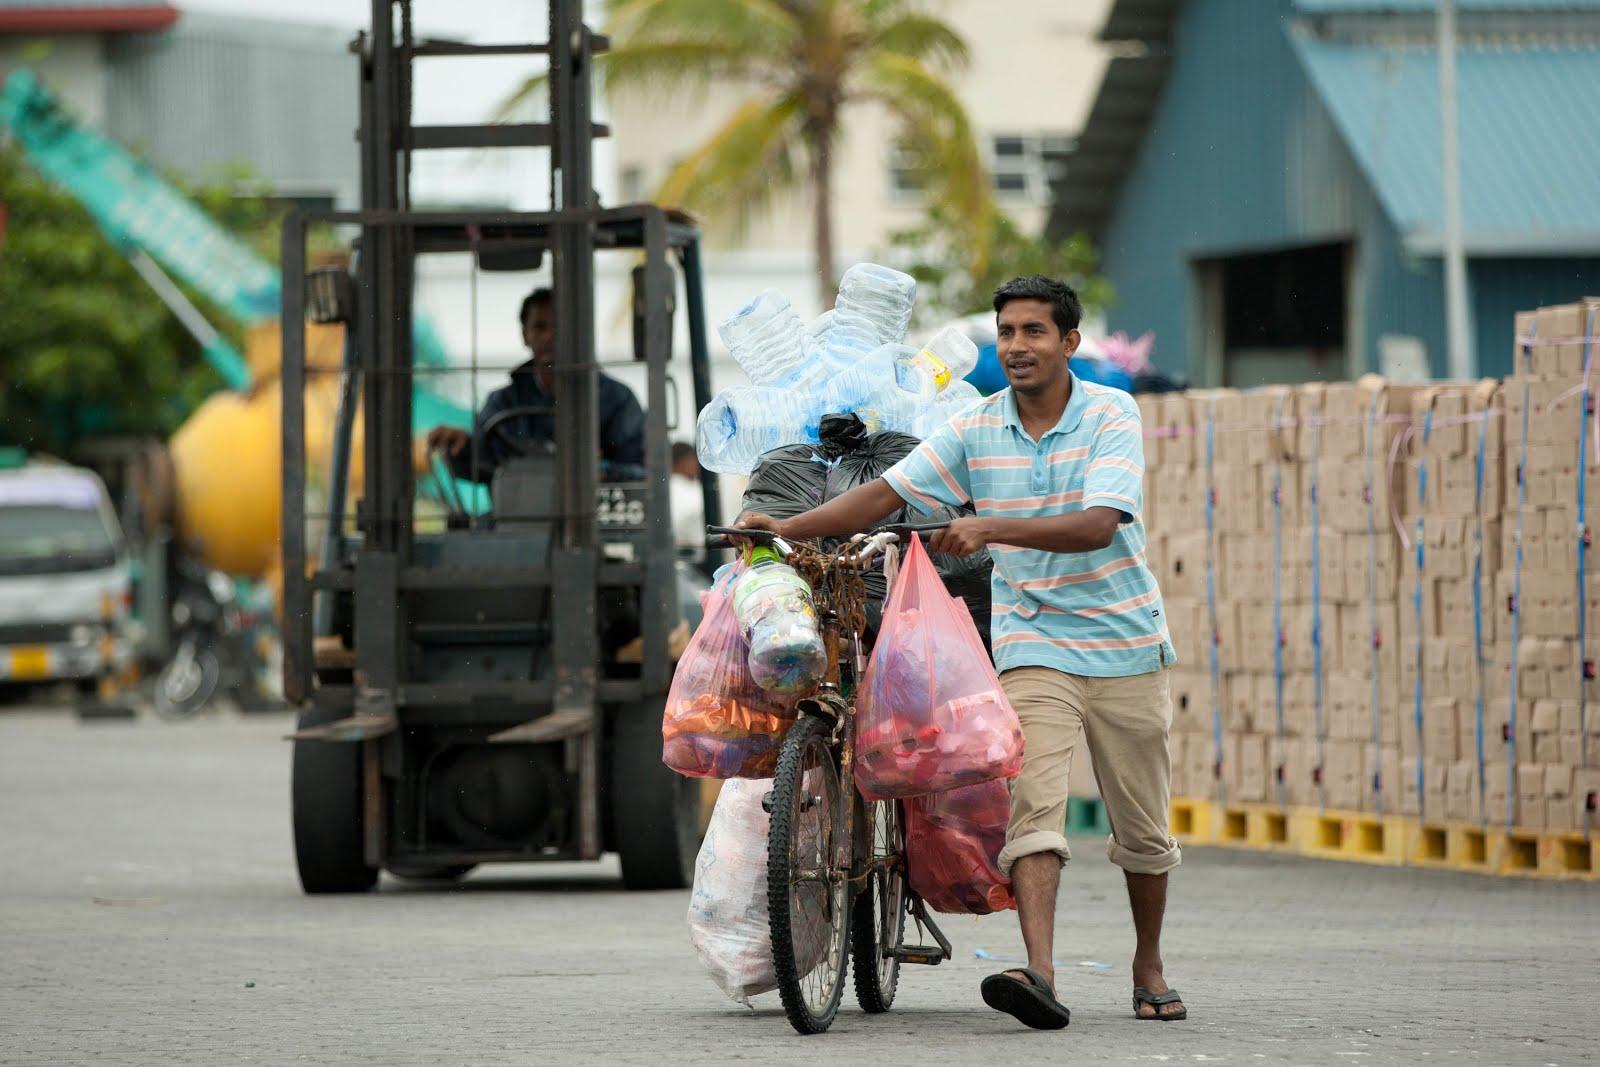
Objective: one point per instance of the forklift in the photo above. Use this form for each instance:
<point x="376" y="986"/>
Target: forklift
<point x="486" y="689"/>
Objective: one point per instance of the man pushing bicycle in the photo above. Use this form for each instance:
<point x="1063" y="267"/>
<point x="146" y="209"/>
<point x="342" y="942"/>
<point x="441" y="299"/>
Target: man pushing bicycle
<point x="1054" y="468"/>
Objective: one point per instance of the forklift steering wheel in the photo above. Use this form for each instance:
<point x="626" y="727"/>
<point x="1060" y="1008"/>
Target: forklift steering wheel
<point x="497" y="427"/>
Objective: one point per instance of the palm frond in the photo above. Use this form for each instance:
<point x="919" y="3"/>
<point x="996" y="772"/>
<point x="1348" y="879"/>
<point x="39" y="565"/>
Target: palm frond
<point x="741" y="167"/>
<point x="922" y="37"/>
<point x="936" y="128"/>
<point x="761" y="27"/>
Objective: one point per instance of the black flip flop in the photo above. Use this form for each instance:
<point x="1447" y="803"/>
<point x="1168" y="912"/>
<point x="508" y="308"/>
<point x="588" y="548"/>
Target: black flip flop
<point x="1030" y="1002"/>
<point x="1141" y="995"/>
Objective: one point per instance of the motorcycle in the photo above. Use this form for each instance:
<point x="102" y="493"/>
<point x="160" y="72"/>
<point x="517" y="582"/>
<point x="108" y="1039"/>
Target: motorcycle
<point x="218" y="648"/>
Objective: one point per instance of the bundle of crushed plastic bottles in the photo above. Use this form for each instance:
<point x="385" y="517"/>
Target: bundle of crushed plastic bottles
<point x="851" y="359"/>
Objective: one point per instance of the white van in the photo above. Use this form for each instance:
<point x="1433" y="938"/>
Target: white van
<point x="65" y="579"/>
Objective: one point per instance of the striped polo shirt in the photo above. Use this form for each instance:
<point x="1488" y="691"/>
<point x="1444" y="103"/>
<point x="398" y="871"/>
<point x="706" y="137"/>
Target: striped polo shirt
<point x="1091" y="613"/>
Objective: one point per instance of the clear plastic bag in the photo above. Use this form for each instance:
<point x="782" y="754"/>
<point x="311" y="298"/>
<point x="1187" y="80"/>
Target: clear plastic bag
<point x="931" y="714"/>
<point x="728" y="916"/>
<point x="953" y="843"/>
<point x="718" y="723"/>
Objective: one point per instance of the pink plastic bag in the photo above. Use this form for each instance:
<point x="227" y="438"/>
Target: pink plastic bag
<point x="953" y="843"/>
<point x="930" y="714"/>
<point x="718" y="723"/>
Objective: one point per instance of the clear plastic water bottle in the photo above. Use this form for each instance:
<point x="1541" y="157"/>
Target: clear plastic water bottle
<point x="817" y="330"/>
<point x="957" y="397"/>
<point x="879" y="298"/>
<point x="774" y="608"/>
<point x="766" y="338"/>
<point x="743" y="422"/>
<point x="948" y="357"/>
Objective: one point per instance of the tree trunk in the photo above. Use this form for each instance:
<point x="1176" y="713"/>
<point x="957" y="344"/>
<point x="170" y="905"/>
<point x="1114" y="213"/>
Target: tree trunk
<point x="822" y="212"/>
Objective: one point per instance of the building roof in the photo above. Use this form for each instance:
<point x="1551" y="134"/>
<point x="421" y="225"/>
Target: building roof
<point x="1529" y="146"/>
<point x="1528" y="75"/>
<point x="84" y="16"/>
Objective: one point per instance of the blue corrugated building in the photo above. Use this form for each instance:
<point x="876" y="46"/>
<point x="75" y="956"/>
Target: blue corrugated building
<point x="1263" y="178"/>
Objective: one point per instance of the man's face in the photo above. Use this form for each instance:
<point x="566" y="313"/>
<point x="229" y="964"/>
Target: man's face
<point x="1031" y="348"/>
<point x="539" y="332"/>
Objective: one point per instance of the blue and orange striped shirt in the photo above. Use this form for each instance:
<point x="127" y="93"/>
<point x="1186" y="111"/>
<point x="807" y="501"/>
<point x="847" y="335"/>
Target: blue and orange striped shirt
<point x="1092" y="613"/>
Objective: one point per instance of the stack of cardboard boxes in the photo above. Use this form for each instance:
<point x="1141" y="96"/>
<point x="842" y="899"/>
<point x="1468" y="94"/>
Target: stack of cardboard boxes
<point x="1346" y="664"/>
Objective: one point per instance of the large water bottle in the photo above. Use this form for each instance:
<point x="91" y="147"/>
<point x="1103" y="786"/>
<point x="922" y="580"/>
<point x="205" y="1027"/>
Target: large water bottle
<point x="766" y="338"/>
<point x="877" y="298"/>
<point x="957" y="397"/>
<point x="774" y="608"/>
<point x="817" y="331"/>
<point x="948" y="357"/>
<point x="743" y="422"/>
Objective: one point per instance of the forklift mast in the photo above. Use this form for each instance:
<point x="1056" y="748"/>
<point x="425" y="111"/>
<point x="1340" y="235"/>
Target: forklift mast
<point x="400" y="670"/>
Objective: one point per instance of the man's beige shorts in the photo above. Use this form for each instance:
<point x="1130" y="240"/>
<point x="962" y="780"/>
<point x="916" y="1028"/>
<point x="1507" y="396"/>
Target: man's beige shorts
<point x="1125" y="722"/>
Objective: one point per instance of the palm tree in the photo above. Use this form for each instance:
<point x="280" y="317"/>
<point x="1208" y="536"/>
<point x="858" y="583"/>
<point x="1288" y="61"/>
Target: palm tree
<point x="803" y="65"/>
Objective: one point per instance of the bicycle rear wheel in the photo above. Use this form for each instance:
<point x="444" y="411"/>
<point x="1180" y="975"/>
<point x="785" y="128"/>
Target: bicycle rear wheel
<point x="879" y="914"/>
<point x="808" y="889"/>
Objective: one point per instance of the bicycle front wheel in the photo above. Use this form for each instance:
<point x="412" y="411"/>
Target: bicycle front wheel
<point x="808" y="888"/>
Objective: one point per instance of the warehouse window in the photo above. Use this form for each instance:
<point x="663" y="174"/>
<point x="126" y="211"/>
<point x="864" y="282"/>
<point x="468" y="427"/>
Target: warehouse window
<point x="1021" y="166"/>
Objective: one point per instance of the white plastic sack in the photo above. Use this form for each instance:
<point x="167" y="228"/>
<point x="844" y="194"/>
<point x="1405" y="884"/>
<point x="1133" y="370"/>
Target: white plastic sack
<point x="728" y="909"/>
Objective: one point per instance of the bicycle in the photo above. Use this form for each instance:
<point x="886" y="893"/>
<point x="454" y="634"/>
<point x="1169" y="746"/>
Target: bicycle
<point x="836" y="865"/>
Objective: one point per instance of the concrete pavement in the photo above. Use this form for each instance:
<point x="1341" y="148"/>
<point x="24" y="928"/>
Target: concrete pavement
<point x="149" y="913"/>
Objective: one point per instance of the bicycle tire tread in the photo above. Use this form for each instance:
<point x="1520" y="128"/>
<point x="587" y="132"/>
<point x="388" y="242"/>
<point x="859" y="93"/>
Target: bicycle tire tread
<point x="780" y="928"/>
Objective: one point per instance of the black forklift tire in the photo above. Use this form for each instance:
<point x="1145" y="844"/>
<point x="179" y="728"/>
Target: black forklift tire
<point x="325" y="794"/>
<point x="655" y="812"/>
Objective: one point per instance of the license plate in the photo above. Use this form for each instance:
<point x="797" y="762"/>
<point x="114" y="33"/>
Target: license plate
<point x="30" y="663"/>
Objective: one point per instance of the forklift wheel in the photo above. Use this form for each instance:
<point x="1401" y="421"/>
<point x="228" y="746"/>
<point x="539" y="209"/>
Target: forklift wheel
<point x="655" y="813"/>
<point x="325" y="785"/>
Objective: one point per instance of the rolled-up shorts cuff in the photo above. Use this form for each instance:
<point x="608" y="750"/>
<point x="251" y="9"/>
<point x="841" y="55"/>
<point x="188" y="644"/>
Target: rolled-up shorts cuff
<point x="1032" y="843"/>
<point x="1144" y="862"/>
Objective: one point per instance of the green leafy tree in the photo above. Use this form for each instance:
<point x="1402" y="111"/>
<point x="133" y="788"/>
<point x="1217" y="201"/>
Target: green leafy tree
<point x="85" y="347"/>
<point x="803" y="65"/>
<point x="950" y="284"/>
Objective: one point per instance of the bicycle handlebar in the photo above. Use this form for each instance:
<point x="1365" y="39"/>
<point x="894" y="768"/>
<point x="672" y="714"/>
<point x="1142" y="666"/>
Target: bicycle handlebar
<point x="722" y="536"/>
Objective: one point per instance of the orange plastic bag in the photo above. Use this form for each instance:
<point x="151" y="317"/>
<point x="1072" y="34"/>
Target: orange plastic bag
<point x="718" y="723"/>
<point x="953" y="843"/>
<point x="930" y="714"/>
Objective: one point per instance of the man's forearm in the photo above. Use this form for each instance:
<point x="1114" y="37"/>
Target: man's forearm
<point x="846" y="513"/>
<point x="1078" y="531"/>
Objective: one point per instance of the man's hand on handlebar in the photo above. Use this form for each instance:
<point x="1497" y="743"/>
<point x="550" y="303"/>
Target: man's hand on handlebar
<point x="448" y="439"/>
<point x="962" y="537"/>
<point x="754" y="520"/>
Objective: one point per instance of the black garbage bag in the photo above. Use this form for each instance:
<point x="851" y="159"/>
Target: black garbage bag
<point x="787" y="481"/>
<point x="791" y="479"/>
<point x="967" y="578"/>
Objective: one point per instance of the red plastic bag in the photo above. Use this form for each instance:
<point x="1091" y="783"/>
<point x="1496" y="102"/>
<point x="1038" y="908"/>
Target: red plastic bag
<point x="953" y="843"/>
<point x="930" y="714"/>
<point x="718" y="723"/>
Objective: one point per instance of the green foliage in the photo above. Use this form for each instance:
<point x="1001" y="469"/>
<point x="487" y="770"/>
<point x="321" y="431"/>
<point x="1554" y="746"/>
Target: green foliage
<point x="85" y="347"/>
<point x="949" y="285"/>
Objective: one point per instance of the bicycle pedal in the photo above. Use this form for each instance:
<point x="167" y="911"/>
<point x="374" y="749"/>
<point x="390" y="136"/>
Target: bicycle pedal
<point x="929" y="955"/>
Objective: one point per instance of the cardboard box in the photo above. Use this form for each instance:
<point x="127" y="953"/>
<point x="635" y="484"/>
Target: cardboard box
<point x="1584" y="809"/>
<point x="1342" y="774"/>
<point x="1531" y="812"/>
<point x="1463" y="799"/>
<point x="1556" y="348"/>
<point x="1251" y="780"/>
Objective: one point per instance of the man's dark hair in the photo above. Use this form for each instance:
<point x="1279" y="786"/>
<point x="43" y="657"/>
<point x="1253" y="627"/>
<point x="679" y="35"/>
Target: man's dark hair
<point x="541" y="295"/>
<point x="681" y="450"/>
<point x="1065" y="307"/>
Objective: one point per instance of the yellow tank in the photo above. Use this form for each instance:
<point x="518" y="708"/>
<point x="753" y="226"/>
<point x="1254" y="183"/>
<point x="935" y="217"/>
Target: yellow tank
<point x="228" y="456"/>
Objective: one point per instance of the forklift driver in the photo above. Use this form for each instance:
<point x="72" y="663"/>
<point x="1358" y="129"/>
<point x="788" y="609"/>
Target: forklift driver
<point x="528" y="401"/>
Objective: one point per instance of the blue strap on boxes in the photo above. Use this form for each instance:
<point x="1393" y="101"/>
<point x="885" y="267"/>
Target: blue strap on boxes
<point x="1585" y="665"/>
<point x="1211" y="596"/>
<point x="1516" y="593"/>
<point x="1477" y="611"/>
<point x="1277" y="599"/>
<point x="1376" y="634"/>
<point x="1316" y="613"/>
<point x="1416" y="606"/>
